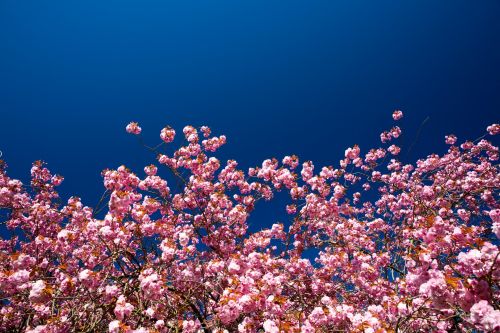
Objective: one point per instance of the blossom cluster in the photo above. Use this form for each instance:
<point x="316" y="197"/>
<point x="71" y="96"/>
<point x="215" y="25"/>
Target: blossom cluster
<point x="374" y="244"/>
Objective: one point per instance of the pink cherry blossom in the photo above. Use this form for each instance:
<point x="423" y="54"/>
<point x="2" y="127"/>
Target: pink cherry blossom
<point x="37" y="291"/>
<point x="485" y="316"/>
<point x="270" y="326"/>
<point x="114" y="326"/>
<point x="123" y="308"/>
<point x="398" y="114"/>
<point x="450" y="139"/>
<point x="167" y="134"/>
<point x="394" y="150"/>
<point x="133" y="128"/>
<point x="493" y="129"/>
<point x="372" y="243"/>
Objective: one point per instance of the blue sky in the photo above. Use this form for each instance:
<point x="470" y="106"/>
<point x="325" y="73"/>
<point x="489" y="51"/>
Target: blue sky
<point x="277" y="77"/>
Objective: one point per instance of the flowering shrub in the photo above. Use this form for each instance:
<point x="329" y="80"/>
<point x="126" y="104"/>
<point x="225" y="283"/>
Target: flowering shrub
<point x="397" y="247"/>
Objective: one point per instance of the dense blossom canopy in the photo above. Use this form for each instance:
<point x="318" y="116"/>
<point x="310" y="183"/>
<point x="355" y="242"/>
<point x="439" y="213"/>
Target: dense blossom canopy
<point x="373" y="245"/>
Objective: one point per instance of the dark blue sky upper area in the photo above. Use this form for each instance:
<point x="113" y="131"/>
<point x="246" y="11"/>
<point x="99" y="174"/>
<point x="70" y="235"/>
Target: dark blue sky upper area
<point x="277" y="77"/>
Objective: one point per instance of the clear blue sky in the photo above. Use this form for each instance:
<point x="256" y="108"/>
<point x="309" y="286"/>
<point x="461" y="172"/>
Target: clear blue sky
<point x="277" y="77"/>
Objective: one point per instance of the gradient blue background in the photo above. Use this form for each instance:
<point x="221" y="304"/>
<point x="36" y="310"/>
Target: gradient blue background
<point x="277" y="77"/>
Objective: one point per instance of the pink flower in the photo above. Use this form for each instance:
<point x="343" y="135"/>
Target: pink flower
<point x="141" y="330"/>
<point x="496" y="229"/>
<point x="167" y="134"/>
<point x="57" y="180"/>
<point x="385" y="137"/>
<point x="493" y="129"/>
<point x="291" y="209"/>
<point x="394" y="150"/>
<point x="495" y="215"/>
<point x="122" y="308"/>
<point x="84" y="275"/>
<point x="214" y="143"/>
<point x="398" y="114"/>
<point x="150" y="312"/>
<point x="150" y="170"/>
<point x="307" y="170"/>
<point x="270" y="326"/>
<point x="206" y="131"/>
<point x="183" y="239"/>
<point x="150" y="284"/>
<point x="133" y="128"/>
<point x="111" y="290"/>
<point x="20" y="276"/>
<point x="246" y="303"/>
<point x="190" y="326"/>
<point x="38" y="329"/>
<point x="318" y="316"/>
<point x="291" y="161"/>
<point x="450" y="139"/>
<point x="159" y="324"/>
<point x="37" y="291"/>
<point x="427" y="191"/>
<point x="233" y="267"/>
<point x="114" y="326"/>
<point x="352" y="153"/>
<point x="63" y="234"/>
<point x="395" y="132"/>
<point x="485" y="315"/>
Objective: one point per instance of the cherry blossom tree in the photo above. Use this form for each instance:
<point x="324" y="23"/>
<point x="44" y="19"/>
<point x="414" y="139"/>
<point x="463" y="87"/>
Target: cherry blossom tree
<point x="396" y="247"/>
